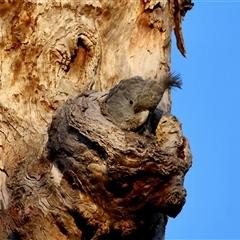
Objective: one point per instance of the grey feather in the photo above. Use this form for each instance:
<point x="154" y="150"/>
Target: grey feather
<point x="129" y="103"/>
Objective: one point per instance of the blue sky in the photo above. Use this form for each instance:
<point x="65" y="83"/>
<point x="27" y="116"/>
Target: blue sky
<point x="208" y="107"/>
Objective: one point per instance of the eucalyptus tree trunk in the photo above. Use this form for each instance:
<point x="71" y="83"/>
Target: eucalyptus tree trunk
<point x="66" y="172"/>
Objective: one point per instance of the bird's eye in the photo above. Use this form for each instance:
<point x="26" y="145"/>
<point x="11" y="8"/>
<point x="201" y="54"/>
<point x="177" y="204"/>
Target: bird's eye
<point x="131" y="102"/>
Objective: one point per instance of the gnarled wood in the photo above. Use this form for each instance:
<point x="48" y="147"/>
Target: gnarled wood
<point x="110" y="180"/>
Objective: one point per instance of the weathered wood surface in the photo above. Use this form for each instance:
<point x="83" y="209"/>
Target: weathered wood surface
<point x="119" y="176"/>
<point x="52" y="50"/>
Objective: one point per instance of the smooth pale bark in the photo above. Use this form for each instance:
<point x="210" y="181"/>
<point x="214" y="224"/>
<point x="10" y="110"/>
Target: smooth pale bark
<point x="53" y="50"/>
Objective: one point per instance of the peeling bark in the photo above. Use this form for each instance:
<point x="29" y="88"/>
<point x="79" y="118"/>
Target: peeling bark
<point x="179" y="8"/>
<point x="50" y="52"/>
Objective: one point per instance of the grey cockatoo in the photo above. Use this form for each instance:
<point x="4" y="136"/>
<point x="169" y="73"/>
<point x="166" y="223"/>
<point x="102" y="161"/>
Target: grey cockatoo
<point x="129" y="103"/>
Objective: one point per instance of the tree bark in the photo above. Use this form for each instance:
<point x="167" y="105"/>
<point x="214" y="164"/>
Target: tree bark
<point x="66" y="172"/>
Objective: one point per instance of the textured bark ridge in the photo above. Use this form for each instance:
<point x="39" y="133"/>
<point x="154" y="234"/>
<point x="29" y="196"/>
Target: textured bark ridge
<point x="119" y="179"/>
